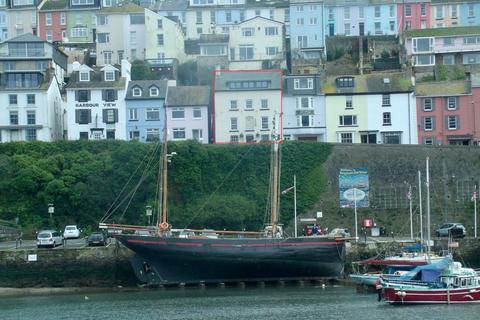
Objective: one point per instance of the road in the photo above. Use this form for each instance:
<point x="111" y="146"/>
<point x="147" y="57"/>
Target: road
<point x="32" y="244"/>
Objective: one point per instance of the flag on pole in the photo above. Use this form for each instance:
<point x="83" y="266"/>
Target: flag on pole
<point x="287" y="190"/>
<point x="474" y="196"/>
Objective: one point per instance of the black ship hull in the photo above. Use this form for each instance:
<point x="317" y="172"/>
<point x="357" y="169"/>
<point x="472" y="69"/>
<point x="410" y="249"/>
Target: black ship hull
<point x="175" y="260"/>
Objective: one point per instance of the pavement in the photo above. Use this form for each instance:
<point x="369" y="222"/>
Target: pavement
<point x="32" y="244"/>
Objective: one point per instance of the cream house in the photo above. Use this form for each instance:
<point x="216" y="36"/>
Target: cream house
<point x="257" y="43"/>
<point x="120" y="34"/>
<point x="164" y="38"/>
<point x="247" y="106"/>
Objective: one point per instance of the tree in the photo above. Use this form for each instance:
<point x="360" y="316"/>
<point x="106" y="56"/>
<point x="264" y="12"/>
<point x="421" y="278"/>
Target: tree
<point x="187" y="73"/>
<point x="141" y="71"/>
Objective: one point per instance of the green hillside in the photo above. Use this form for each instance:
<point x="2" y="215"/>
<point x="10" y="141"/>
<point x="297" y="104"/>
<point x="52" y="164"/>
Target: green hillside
<point x="211" y="186"/>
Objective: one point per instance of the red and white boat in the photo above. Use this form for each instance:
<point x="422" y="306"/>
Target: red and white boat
<point x="443" y="282"/>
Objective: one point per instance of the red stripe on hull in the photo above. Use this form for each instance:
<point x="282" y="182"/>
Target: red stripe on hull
<point x="459" y="295"/>
<point x="227" y="245"/>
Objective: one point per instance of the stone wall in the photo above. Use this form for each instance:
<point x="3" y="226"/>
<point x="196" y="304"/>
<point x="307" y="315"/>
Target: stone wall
<point x="85" y="267"/>
<point x="453" y="172"/>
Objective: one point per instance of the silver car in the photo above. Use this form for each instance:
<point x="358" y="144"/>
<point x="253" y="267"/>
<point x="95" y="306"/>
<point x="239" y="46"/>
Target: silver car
<point x="49" y="238"/>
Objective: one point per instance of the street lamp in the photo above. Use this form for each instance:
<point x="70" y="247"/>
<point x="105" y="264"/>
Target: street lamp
<point x="51" y="210"/>
<point x="148" y="212"/>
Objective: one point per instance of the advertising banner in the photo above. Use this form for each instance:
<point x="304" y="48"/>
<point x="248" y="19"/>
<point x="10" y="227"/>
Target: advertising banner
<point x="353" y="187"/>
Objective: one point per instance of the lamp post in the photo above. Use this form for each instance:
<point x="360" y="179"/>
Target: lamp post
<point x="148" y="213"/>
<point x="51" y="210"/>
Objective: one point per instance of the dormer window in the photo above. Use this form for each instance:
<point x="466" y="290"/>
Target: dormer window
<point x="345" y="82"/>
<point x="84" y="76"/>
<point x="109" y="75"/>
<point x="154" y="91"/>
<point x="137" y="92"/>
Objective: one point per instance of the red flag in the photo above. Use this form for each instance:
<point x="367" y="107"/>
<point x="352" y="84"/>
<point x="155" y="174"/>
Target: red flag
<point x="474" y="196"/>
<point x="287" y="190"/>
<point x="409" y="195"/>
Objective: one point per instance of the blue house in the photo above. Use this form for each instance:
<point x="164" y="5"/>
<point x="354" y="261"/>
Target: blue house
<point x="360" y="17"/>
<point x="307" y="28"/>
<point x="469" y="14"/>
<point x="145" y="104"/>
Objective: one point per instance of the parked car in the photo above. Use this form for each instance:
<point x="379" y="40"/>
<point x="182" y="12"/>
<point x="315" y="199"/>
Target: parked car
<point x="71" y="232"/>
<point x="455" y="230"/>
<point x="49" y="238"/>
<point x="96" y="239"/>
<point x="339" y="232"/>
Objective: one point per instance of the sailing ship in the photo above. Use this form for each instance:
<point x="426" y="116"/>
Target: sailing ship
<point x="172" y="256"/>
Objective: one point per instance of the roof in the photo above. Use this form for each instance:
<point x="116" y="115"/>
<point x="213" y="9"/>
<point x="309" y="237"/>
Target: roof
<point x="188" y="96"/>
<point x="442" y="88"/>
<point x="259" y="18"/>
<point x="127" y="8"/>
<point x="443" y="32"/>
<point x="222" y="79"/>
<point x="26" y="37"/>
<point x="54" y="5"/>
<point x="371" y="83"/>
<point x="174" y="5"/>
<point x="268" y="3"/>
<point x="96" y="81"/>
<point x="145" y="86"/>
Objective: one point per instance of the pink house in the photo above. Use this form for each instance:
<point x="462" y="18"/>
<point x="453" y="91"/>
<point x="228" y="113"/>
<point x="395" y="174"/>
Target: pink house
<point x="52" y="20"/>
<point x="413" y="14"/>
<point x="448" y="112"/>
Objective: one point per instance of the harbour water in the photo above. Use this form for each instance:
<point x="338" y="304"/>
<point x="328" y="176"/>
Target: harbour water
<point x="279" y="303"/>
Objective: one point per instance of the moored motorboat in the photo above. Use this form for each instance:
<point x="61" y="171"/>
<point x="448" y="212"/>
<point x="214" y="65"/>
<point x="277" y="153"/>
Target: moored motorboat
<point x="446" y="281"/>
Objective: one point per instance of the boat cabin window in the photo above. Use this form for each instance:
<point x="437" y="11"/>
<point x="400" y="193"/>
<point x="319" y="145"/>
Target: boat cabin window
<point x="456" y="282"/>
<point x="464" y="282"/>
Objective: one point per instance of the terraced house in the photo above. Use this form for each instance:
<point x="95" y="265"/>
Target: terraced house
<point x="413" y="14"/>
<point x="81" y="20"/>
<point x="307" y="29"/>
<point x="448" y="112"/>
<point x="247" y="106"/>
<point x="120" y="34"/>
<point x="164" y="38"/>
<point x="31" y="75"/>
<point x="52" y="20"/>
<point x="4" y="21"/>
<point x="304" y="108"/>
<point x="96" y="102"/>
<point x="360" y="17"/>
<point x="188" y="113"/>
<point x="374" y="108"/>
<point x="145" y="103"/>
<point x="447" y="46"/>
<point x="23" y="17"/>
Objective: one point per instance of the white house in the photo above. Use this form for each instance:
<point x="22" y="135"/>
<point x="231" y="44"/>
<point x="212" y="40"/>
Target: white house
<point x="96" y="103"/>
<point x="247" y="106"/>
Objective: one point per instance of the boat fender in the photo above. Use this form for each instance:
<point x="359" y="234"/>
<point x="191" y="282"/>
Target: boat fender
<point x="401" y="293"/>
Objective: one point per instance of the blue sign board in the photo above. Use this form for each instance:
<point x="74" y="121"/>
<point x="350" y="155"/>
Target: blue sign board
<point x="353" y="187"/>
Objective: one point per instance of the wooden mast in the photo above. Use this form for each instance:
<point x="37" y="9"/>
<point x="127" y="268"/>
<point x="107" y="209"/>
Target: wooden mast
<point x="163" y="185"/>
<point x="275" y="182"/>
